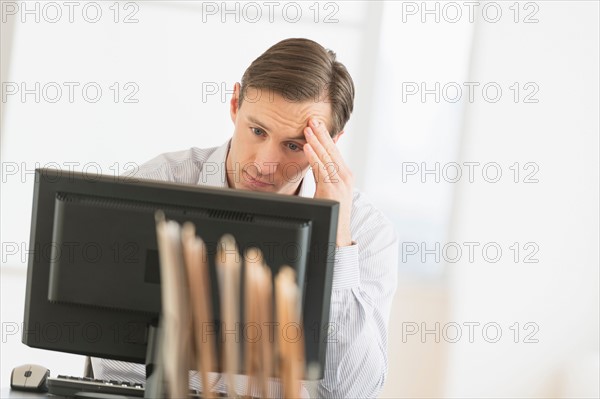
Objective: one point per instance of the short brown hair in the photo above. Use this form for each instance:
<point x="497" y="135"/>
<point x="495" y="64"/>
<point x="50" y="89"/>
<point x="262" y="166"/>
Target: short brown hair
<point x="300" y="70"/>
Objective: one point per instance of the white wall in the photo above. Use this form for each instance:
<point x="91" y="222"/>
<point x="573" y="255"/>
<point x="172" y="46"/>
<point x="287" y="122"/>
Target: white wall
<point x="559" y="213"/>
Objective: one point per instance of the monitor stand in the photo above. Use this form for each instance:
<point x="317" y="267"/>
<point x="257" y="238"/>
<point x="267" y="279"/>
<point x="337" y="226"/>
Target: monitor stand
<point x="154" y="387"/>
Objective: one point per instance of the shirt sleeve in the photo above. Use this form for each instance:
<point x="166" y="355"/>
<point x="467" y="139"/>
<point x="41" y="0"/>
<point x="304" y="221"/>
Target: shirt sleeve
<point x="364" y="283"/>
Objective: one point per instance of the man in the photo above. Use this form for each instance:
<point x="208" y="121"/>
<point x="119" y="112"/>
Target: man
<point x="289" y="112"/>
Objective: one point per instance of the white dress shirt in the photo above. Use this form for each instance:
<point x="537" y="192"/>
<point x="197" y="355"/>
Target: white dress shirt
<point x="364" y="283"/>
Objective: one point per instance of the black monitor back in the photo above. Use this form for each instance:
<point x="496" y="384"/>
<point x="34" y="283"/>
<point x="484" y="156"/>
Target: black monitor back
<point x="93" y="280"/>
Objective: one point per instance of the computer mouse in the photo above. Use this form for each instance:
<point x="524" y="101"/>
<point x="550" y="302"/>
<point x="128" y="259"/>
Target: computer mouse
<point x="29" y="377"/>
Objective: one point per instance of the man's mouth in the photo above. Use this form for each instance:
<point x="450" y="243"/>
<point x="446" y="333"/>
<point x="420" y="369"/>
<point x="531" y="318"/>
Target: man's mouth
<point x="256" y="182"/>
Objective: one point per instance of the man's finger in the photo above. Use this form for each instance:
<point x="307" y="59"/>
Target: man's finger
<point x="333" y="154"/>
<point x="324" y="137"/>
<point x="317" y="146"/>
<point x="315" y="162"/>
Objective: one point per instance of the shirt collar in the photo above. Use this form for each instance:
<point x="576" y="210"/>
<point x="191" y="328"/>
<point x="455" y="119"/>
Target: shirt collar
<point x="307" y="185"/>
<point x="214" y="172"/>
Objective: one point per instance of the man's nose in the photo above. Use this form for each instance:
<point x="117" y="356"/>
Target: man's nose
<point x="268" y="160"/>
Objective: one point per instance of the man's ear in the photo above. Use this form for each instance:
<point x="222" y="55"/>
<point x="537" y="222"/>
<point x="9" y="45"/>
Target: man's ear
<point x="234" y="103"/>
<point x="337" y="136"/>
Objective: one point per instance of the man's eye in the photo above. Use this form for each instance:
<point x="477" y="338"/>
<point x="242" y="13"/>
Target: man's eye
<point x="294" y="147"/>
<point x="257" y="131"/>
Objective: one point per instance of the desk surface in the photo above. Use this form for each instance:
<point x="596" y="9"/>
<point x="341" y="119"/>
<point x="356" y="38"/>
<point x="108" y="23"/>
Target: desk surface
<point x="6" y="392"/>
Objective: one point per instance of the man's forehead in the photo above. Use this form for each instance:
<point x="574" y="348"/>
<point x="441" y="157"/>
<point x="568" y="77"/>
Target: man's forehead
<point x="270" y="112"/>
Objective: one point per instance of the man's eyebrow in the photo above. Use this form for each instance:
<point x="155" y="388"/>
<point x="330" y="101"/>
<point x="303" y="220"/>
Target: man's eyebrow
<point x="298" y="138"/>
<point x="259" y="123"/>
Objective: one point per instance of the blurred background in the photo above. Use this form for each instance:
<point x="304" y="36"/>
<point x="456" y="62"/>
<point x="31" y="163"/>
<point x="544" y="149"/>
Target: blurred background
<point x="475" y="129"/>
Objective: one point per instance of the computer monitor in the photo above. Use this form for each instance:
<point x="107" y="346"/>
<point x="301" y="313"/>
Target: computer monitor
<point x="93" y="278"/>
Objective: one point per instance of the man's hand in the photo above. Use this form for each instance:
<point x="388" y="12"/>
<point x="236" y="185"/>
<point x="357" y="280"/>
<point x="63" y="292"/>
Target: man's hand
<point x="333" y="178"/>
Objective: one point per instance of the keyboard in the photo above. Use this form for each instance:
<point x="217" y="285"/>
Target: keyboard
<point x="69" y="386"/>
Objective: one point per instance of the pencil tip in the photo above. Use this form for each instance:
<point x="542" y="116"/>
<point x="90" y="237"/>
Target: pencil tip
<point x="227" y="249"/>
<point x="159" y="216"/>
<point x="253" y="255"/>
<point x="188" y="230"/>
